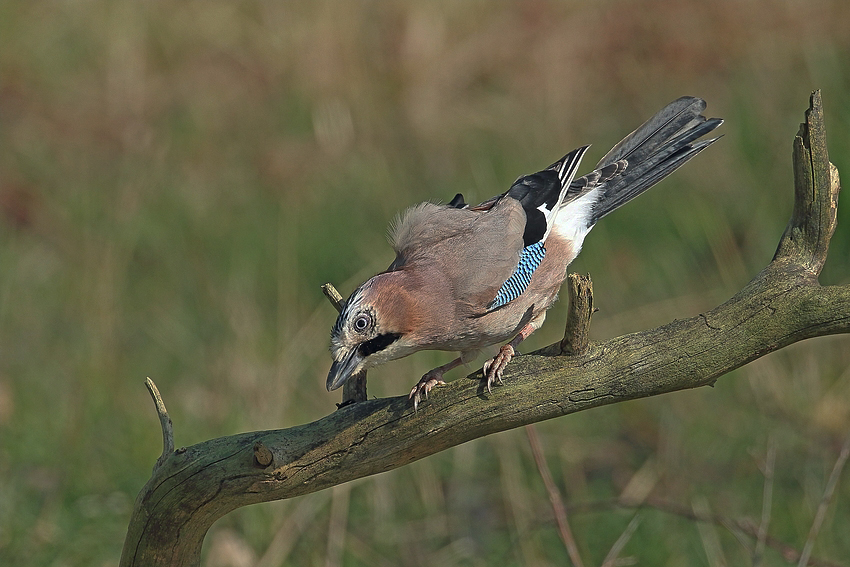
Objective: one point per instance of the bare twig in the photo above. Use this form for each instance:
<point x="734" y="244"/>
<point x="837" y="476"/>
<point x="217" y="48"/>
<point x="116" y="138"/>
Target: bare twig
<point x="576" y="334"/>
<point x="164" y="423"/>
<point x="816" y="186"/>
<point x="333" y="296"/>
<point x="354" y="389"/>
<point x="554" y="496"/>
<point x="824" y="503"/>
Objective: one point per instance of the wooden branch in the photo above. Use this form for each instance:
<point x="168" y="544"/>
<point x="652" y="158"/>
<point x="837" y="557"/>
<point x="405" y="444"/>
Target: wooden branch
<point x="333" y="296"/>
<point x="783" y="304"/>
<point x="816" y="186"/>
<point x="576" y="335"/>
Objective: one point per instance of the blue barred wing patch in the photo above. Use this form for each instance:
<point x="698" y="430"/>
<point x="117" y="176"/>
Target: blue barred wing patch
<point x="529" y="260"/>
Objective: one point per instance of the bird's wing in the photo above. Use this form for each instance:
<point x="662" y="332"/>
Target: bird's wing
<point x="541" y="195"/>
<point x="473" y="251"/>
<point x="487" y="253"/>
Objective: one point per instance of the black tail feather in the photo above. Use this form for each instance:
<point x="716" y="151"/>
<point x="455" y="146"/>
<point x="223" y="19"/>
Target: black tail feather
<point x="649" y="135"/>
<point x="653" y="151"/>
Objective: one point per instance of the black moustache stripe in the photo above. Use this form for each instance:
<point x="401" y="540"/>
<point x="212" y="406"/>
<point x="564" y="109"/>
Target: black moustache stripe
<point x="377" y="344"/>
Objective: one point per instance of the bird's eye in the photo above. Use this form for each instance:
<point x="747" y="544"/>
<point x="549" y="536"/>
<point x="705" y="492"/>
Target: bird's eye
<point x="362" y="322"/>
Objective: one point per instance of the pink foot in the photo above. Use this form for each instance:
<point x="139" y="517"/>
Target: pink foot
<point x="494" y="367"/>
<point x="421" y="389"/>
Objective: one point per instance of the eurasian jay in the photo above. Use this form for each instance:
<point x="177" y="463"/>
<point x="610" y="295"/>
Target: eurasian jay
<point x="468" y="277"/>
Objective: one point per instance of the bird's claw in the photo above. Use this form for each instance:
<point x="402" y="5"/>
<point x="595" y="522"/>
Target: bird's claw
<point x="421" y="389"/>
<point x="494" y="367"/>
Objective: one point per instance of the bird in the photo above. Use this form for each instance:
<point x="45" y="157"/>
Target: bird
<point x="467" y="277"/>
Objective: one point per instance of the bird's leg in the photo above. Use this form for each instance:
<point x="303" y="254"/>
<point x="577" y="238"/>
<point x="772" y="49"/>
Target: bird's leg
<point x="494" y="367"/>
<point x="429" y="380"/>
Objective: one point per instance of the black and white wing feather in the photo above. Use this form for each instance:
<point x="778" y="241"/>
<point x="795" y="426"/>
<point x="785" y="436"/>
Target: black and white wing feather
<point x="541" y="195"/>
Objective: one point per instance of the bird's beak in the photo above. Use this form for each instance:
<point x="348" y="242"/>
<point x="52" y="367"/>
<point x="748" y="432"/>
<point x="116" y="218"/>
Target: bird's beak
<point x="342" y="370"/>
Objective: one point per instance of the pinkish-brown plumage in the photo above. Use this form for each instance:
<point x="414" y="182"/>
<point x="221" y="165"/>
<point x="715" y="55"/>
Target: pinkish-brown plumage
<point x="453" y="260"/>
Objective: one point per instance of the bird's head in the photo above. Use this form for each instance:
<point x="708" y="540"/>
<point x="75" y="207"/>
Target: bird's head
<point x="372" y="328"/>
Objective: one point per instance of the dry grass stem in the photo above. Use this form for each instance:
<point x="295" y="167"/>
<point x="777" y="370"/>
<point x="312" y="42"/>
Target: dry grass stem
<point x="740" y="526"/>
<point x="708" y="534"/>
<point x="293" y="526"/>
<point x="338" y="524"/>
<point x="767" y="500"/>
<point x="824" y="503"/>
<point x="612" y="558"/>
<point x="554" y="496"/>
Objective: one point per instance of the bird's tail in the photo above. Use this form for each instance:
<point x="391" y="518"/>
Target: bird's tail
<point x="649" y="154"/>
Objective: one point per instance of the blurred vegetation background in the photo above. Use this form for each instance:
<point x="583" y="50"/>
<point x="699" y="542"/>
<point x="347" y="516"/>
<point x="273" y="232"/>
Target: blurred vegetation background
<point x="178" y="179"/>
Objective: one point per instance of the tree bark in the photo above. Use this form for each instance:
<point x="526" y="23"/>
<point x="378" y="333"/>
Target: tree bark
<point x="192" y="487"/>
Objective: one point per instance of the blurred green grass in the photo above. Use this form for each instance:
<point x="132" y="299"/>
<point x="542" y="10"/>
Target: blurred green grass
<point x="177" y="180"/>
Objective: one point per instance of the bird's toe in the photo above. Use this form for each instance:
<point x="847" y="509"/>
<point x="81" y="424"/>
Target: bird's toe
<point x="495" y="367"/>
<point x="421" y="389"/>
